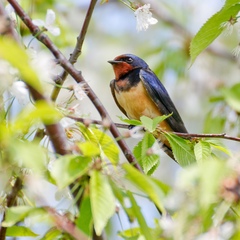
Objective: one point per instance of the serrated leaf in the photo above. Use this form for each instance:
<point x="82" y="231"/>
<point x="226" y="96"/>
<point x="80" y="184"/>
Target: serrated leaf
<point x="202" y="151"/>
<point x="182" y="149"/>
<point x="20" y="231"/>
<point x="68" y="168"/>
<point x="130" y="121"/>
<point x="230" y="3"/>
<point x="147" y="161"/>
<point x="214" y="124"/>
<point x="107" y="145"/>
<point x="211" y="30"/>
<point x="146" y="184"/>
<point x="18" y="58"/>
<point x="151" y="124"/>
<point x="144" y="229"/>
<point x="102" y="200"/>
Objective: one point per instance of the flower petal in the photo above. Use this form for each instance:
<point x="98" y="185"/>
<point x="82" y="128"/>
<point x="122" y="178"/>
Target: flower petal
<point x="55" y="31"/>
<point x="50" y="18"/>
<point x="38" y="22"/>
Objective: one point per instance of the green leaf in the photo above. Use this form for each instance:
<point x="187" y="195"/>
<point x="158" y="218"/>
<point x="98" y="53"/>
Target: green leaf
<point x="85" y="220"/>
<point x="146" y="184"/>
<point x="30" y="155"/>
<point x="130" y="121"/>
<point x="212" y="29"/>
<point x="52" y="233"/>
<point x="230" y="3"/>
<point x="18" y="58"/>
<point x="20" y="231"/>
<point x="214" y="124"/>
<point x="16" y="214"/>
<point x="232" y="96"/>
<point x="202" y="151"/>
<point x="89" y="149"/>
<point x="68" y="168"/>
<point x="151" y="124"/>
<point x="219" y="146"/>
<point x="130" y="234"/>
<point x="42" y="111"/>
<point x="102" y="200"/>
<point x="147" y="161"/>
<point x="140" y="218"/>
<point x="107" y="145"/>
<point x="182" y="149"/>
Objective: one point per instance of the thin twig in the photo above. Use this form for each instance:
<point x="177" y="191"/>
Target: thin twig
<point x="42" y="37"/>
<point x="59" y="80"/>
<point x="11" y="199"/>
<point x="184" y="135"/>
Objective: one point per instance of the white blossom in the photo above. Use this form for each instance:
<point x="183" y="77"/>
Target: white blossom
<point x="144" y="17"/>
<point x="79" y="92"/>
<point x="20" y="92"/>
<point x="227" y="27"/>
<point x="49" y="23"/>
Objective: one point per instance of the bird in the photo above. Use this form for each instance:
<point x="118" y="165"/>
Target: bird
<point x="137" y="92"/>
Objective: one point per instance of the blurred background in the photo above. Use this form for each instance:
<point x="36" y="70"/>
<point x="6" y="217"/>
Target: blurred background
<point x="164" y="46"/>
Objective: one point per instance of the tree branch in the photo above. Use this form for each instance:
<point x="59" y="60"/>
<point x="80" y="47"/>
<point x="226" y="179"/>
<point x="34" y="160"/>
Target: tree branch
<point x="77" y="77"/>
<point x="184" y="135"/>
<point x="59" y="80"/>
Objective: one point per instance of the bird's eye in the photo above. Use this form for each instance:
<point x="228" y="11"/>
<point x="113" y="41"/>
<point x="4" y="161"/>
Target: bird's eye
<point x="129" y="60"/>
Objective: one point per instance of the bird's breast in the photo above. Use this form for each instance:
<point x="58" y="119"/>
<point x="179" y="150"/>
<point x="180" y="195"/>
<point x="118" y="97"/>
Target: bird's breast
<point x="136" y="102"/>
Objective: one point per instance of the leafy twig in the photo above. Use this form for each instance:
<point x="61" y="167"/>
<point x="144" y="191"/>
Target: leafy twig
<point x="184" y="135"/>
<point x="42" y="37"/>
<point x="59" y="80"/>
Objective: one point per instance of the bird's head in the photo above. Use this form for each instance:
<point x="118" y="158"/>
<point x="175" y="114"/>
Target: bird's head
<point x="125" y="63"/>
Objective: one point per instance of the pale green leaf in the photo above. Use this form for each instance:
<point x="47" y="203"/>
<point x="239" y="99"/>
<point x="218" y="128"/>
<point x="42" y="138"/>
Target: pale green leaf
<point x="16" y="214"/>
<point x="130" y="121"/>
<point x="52" y="233"/>
<point x="232" y="96"/>
<point x="151" y="124"/>
<point x="107" y="145"/>
<point x="89" y="149"/>
<point x="220" y="147"/>
<point x="144" y="229"/>
<point x="214" y="124"/>
<point x="29" y="155"/>
<point x="68" y="168"/>
<point x="146" y="184"/>
<point x="212" y="29"/>
<point x="230" y="3"/>
<point x="20" y="231"/>
<point x="102" y="200"/>
<point x="182" y="149"/>
<point x="12" y="52"/>
<point x="147" y="161"/>
<point x="202" y="151"/>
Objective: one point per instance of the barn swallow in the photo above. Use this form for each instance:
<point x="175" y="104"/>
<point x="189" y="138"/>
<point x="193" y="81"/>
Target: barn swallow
<point x="138" y="92"/>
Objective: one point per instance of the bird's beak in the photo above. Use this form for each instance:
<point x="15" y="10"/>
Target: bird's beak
<point x="114" y="62"/>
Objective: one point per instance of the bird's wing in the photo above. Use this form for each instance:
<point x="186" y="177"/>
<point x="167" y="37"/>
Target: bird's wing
<point x="160" y="97"/>
<point x="112" y="83"/>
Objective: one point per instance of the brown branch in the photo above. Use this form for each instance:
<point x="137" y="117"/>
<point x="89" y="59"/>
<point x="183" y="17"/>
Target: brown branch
<point x="184" y="135"/>
<point x="11" y="199"/>
<point x="64" y="223"/>
<point x="59" y="80"/>
<point x="77" y="77"/>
